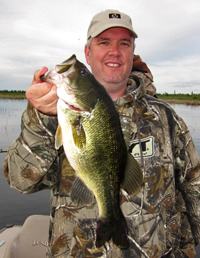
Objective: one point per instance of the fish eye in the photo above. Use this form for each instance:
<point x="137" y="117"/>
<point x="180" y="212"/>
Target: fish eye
<point x="82" y="72"/>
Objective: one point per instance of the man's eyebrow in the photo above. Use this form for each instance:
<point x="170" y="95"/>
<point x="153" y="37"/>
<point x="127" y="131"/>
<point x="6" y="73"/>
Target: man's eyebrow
<point x="126" y="39"/>
<point x="100" y="39"/>
<point x="122" y="39"/>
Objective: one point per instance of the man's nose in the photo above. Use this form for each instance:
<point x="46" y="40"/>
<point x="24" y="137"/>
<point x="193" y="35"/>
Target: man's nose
<point x="114" y="50"/>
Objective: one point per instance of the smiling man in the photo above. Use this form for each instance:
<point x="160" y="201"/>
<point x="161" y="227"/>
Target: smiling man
<point x="163" y="218"/>
<point x="110" y="56"/>
<point x="110" y="50"/>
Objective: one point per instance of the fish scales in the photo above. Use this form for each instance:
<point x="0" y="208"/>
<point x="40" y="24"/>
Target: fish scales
<point x="104" y="153"/>
<point x="90" y="131"/>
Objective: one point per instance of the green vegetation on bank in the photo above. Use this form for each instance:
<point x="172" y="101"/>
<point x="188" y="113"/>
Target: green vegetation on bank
<point x="180" y="98"/>
<point x="12" y="94"/>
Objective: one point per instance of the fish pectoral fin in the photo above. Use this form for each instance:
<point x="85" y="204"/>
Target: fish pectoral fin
<point x="58" y="138"/>
<point x="78" y="133"/>
<point x="80" y="193"/>
<point x="133" y="176"/>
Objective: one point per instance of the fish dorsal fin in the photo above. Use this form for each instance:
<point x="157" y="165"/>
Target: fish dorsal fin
<point x="133" y="176"/>
<point x="78" y="134"/>
<point x="58" y="138"/>
<point x="80" y="193"/>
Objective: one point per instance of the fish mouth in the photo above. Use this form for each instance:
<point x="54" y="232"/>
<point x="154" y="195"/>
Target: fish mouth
<point x="51" y="77"/>
<point x="67" y="66"/>
<point x="60" y="77"/>
<point x="61" y="72"/>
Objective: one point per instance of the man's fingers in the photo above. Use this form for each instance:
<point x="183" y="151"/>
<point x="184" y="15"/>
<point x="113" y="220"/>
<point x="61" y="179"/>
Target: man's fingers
<point x="42" y="95"/>
<point x="38" y="73"/>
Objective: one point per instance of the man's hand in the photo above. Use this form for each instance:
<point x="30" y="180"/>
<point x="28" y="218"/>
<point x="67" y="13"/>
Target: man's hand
<point x="42" y="95"/>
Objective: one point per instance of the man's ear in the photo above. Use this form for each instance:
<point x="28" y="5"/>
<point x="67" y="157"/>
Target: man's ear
<point x="87" y="55"/>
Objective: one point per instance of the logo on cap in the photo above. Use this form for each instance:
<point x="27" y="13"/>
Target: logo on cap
<point x="114" y="16"/>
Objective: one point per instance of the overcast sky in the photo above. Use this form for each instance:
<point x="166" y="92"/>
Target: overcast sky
<point x="46" y="32"/>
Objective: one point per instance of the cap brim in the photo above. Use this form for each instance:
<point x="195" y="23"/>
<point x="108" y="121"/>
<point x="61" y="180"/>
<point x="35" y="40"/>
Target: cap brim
<point x="103" y="28"/>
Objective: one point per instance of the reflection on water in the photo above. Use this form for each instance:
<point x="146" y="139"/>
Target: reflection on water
<point x="10" y="116"/>
<point x="191" y="115"/>
<point x="15" y="207"/>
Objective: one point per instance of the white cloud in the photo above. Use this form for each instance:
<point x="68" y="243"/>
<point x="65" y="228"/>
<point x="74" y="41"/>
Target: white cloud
<point x="43" y="33"/>
<point x="181" y="76"/>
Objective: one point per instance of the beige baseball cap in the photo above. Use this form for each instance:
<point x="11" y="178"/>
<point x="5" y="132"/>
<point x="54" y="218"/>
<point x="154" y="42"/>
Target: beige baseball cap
<point x="109" y="19"/>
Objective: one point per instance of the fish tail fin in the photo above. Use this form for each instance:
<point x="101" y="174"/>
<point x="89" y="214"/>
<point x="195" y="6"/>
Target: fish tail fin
<point x="115" y="229"/>
<point x="120" y="233"/>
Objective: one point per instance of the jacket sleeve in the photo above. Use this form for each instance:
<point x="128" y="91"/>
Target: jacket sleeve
<point x="187" y="175"/>
<point x="31" y="163"/>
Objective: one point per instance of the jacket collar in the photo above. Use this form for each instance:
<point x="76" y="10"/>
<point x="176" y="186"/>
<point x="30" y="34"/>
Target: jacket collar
<point x="135" y="89"/>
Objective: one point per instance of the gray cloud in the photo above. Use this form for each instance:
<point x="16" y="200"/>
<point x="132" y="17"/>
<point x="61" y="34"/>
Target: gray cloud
<point x="43" y="33"/>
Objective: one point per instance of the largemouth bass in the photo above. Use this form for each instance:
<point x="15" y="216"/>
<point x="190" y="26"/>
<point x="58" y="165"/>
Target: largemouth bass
<point x="90" y="132"/>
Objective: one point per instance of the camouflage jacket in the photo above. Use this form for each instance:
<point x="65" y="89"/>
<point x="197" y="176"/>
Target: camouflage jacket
<point x="163" y="219"/>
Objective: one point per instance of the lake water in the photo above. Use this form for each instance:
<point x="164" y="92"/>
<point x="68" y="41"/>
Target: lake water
<point x="15" y="207"/>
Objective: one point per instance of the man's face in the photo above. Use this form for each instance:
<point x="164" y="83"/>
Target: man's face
<point x="111" y="57"/>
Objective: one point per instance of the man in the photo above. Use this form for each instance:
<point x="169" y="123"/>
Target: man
<point x="163" y="219"/>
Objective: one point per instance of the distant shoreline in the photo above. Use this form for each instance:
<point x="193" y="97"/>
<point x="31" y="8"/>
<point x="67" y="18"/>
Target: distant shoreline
<point x="9" y="96"/>
<point x="182" y="101"/>
<point x="169" y="100"/>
